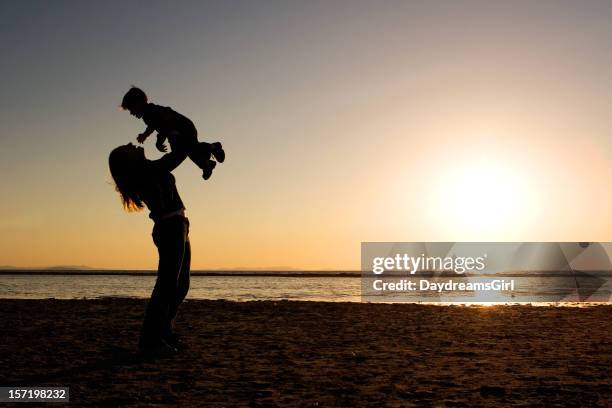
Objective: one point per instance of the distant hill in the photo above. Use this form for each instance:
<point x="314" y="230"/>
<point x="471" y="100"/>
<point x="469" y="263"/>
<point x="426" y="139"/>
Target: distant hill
<point x="47" y="268"/>
<point x="69" y="268"/>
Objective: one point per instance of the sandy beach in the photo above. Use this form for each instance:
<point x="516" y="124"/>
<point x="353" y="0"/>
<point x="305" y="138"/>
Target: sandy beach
<point x="313" y="354"/>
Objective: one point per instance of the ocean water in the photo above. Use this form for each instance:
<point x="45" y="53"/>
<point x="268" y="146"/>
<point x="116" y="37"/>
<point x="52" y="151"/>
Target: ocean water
<point x="248" y="288"/>
<point x="237" y="288"/>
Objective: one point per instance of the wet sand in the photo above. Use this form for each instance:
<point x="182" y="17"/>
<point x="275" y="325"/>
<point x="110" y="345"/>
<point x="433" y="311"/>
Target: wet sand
<point x="313" y="354"/>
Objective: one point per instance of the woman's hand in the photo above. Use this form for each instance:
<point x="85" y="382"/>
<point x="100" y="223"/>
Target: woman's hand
<point x="161" y="146"/>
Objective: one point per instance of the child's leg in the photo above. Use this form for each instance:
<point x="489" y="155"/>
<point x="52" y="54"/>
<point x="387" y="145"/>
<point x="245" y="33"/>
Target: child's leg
<point x="215" y="149"/>
<point x="200" y="155"/>
<point x="218" y="152"/>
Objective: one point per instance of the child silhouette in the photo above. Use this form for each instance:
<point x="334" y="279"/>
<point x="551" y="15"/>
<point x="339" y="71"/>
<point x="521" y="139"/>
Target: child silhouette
<point x="176" y="128"/>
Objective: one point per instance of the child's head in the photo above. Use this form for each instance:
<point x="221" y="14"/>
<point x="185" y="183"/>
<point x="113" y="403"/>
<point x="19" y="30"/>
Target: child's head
<point x="135" y="101"/>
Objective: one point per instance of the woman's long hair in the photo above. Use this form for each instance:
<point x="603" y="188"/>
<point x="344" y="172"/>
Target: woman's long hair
<point x="128" y="175"/>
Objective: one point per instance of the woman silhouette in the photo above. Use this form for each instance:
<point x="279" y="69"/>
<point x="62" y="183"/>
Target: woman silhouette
<point x="142" y="182"/>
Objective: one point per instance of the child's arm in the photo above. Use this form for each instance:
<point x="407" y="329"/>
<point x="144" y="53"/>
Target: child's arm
<point x="172" y="138"/>
<point x="161" y="146"/>
<point x="143" y="136"/>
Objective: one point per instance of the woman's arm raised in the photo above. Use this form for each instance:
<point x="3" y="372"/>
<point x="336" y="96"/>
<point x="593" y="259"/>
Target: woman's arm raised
<point x="170" y="161"/>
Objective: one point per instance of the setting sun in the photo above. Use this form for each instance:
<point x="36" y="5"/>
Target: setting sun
<point x="483" y="197"/>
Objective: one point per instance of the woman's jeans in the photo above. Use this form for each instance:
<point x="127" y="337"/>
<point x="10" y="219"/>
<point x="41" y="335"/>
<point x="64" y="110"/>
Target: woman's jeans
<point x="171" y="236"/>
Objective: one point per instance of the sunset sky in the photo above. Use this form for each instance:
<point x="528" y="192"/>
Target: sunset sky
<point x="343" y="122"/>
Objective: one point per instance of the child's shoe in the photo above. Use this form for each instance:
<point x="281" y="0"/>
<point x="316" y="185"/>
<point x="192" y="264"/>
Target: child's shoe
<point x="218" y="152"/>
<point x="208" y="169"/>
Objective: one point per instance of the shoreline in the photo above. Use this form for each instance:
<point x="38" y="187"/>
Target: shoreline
<point x="583" y="304"/>
<point x="291" y="274"/>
